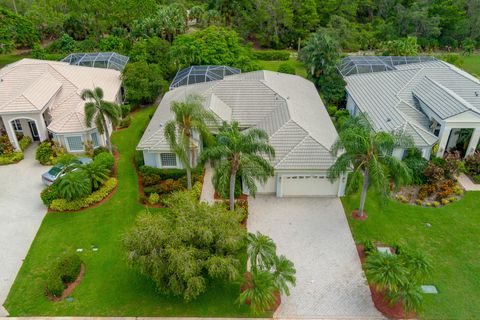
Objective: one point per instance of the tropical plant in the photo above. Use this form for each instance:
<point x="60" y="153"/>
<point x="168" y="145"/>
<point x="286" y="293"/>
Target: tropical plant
<point x="369" y="155"/>
<point x="97" y="172"/>
<point x="261" y="251"/>
<point x="320" y="54"/>
<point x="189" y="117"/>
<point x="242" y="153"/>
<point x="184" y="251"/>
<point x="283" y="274"/>
<point x="143" y="82"/>
<point x="74" y="185"/>
<point x="101" y="112"/>
<point x="259" y="291"/>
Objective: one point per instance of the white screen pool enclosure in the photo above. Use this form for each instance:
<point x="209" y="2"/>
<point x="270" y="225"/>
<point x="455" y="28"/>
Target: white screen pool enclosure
<point x="199" y="74"/>
<point x="108" y="60"/>
<point x="368" y="64"/>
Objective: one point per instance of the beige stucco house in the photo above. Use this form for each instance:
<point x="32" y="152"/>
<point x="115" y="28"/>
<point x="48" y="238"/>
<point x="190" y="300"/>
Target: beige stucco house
<point x="42" y="99"/>
<point x="287" y="107"/>
<point x="431" y="100"/>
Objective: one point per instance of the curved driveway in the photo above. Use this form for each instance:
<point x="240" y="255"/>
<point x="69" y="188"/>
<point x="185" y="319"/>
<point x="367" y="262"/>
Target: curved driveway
<point x="21" y="213"/>
<point x="314" y="234"/>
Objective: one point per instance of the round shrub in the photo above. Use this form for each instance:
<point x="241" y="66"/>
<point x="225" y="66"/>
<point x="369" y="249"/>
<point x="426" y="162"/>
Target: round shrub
<point x="286" y="67"/>
<point x="65" y="270"/>
<point x="106" y="159"/>
<point x="154" y="198"/>
<point x="55" y="285"/>
<point x="44" y="153"/>
<point x="50" y="193"/>
<point x="99" y="150"/>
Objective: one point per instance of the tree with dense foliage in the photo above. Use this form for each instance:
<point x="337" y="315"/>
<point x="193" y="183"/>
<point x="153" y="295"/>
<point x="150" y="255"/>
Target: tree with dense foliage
<point x="102" y="112"/>
<point x="369" y="155"/>
<point x="74" y="185"/>
<point x="190" y="117"/>
<point x="143" y="82"/>
<point x="96" y="172"/>
<point x="16" y="31"/>
<point x="401" y="47"/>
<point x="211" y="46"/>
<point x="184" y="251"/>
<point x="244" y="153"/>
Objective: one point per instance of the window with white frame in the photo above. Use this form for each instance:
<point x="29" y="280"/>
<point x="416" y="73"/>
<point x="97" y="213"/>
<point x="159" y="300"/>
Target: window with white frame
<point x="75" y="143"/>
<point x="168" y="159"/>
<point x="95" y="142"/>
<point x="17" y="126"/>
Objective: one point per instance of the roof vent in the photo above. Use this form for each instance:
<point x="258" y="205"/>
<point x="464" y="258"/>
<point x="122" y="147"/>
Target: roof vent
<point x="388" y="119"/>
<point x="476" y="94"/>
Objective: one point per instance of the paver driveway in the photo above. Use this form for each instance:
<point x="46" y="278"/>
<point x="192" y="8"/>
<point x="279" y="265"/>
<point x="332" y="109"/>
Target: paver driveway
<point x="21" y="213"/>
<point x="314" y="234"/>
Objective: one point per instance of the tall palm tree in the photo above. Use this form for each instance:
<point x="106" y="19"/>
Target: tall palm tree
<point x="369" y="155"/>
<point x="98" y="110"/>
<point x="238" y="152"/>
<point x="190" y="117"/>
<point x="284" y="274"/>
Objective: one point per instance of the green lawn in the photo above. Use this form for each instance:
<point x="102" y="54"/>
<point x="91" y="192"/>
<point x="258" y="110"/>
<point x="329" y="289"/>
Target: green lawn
<point x="472" y="64"/>
<point x="451" y="243"/>
<point x="109" y="288"/>
<point x="9" y="58"/>
<point x="273" y="66"/>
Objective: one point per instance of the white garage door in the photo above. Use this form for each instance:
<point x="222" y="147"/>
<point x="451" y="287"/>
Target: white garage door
<point x="308" y="185"/>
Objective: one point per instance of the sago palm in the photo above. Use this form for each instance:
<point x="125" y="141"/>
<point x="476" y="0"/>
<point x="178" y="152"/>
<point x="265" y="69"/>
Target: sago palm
<point x="100" y="112"/>
<point x="284" y="274"/>
<point x="386" y="271"/>
<point x="189" y="117"/>
<point x="260" y="291"/>
<point x="261" y="251"/>
<point x="243" y="153"/>
<point x="74" y="185"/>
<point x="369" y="155"/>
<point x="97" y="173"/>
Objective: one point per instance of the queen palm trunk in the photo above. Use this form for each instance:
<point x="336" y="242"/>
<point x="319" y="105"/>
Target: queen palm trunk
<point x="363" y="196"/>
<point x="233" y="177"/>
<point x="188" y="167"/>
<point x="107" y="134"/>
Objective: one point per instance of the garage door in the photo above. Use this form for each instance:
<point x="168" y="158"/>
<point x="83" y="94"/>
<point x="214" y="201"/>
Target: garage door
<point x="308" y="185"/>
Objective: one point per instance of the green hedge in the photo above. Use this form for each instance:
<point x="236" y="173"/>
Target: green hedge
<point x="25" y="142"/>
<point x="271" y="55"/>
<point x="165" y="174"/>
<point x="97" y="196"/>
<point x="11" y="157"/>
<point x="65" y="270"/>
<point x="50" y="193"/>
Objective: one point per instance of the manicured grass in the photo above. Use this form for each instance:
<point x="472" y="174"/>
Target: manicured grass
<point x="273" y="66"/>
<point x="451" y="244"/>
<point x="109" y="288"/>
<point x="472" y="64"/>
<point x="9" y="58"/>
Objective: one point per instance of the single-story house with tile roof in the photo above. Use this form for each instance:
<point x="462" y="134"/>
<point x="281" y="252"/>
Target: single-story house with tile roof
<point x="431" y="100"/>
<point x="287" y="107"/>
<point x="42" y="99"/>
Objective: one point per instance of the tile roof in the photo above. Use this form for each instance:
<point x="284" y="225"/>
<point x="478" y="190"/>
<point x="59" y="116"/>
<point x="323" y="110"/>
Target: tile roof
<point x="287" y="107"/>
<point x="29" y="85"/>
<point x="389" y="97"/>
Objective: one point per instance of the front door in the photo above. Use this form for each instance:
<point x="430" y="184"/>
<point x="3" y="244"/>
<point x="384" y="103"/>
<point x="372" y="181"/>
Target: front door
<point x="34" y="131"/>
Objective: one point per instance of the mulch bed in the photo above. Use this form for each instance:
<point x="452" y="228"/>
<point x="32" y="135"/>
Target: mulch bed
<point x="356" y="215"/>
<point x="378" y="296"/>
<point x="248" y="285"/>
<point x="243" y="196"/>
<point x="70" y="286"/>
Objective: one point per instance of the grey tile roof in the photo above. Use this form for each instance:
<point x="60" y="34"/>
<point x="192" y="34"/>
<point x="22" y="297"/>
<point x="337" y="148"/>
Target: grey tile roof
<point x="389" y="97"/>
<point x="287" y="107"/>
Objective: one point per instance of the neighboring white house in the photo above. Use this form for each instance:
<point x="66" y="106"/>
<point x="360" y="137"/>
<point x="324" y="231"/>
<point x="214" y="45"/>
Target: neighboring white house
<point x="287" y="107"/>
<point x="42" y="99"/>
<point x="427" y="98"/>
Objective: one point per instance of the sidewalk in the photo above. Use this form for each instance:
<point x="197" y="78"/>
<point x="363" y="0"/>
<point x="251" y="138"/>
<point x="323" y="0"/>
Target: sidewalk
<point x="208" y="190"/>
<point x="468" y="184"/>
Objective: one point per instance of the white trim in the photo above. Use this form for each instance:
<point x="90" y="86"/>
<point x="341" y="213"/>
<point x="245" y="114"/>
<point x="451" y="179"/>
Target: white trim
<point x="161" y="161"/>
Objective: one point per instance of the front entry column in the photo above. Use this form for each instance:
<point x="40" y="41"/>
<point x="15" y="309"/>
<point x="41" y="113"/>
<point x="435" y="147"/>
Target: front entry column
<point x="11" y="134"/>
<point x="442" y="143"/>
<point x="472" y="145"/>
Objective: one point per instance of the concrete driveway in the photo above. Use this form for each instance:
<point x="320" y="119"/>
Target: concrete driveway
<point x="21" y="213"/>
<point x="314" y="234"/>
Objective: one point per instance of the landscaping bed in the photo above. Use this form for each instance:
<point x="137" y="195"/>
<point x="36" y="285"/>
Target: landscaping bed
<point x="431" y="195"/>
<point x="8" y="155"/>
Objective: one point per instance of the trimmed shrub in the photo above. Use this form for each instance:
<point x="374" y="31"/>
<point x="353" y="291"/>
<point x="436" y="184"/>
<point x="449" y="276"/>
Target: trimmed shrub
<point x="99" y="150"/>
<point x="105" y="159"/>
<point x="44" y="153"/>
<point x="154" y="198"/>
<point x="287" y="68"/>
<point x="417" y="165"/>
<point x="11" y="158"/>
<point x="369" y="247"/>
<point x="50" y="193"/>
<point x="332" y="110"/>
<point x="97" y="196"/>
<point x="155" y="175"/>
<point x="271" y="55"/>
<point x="24" y="142"/>
<point x="125" y="122"/>
<point x="126" y="108"/>
<point x="472" y="164"/>
<point x="65" y="270"/>
<point x="6" y="146"/>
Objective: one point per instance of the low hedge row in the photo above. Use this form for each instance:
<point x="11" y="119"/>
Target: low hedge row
<point x="65" y="270"/>
<point x="24" y="142"/>
<point x="97" y="196"/>
<point x="154" y="174"/>
<point x="271" y="55"/>
<point x="11" y="157"/>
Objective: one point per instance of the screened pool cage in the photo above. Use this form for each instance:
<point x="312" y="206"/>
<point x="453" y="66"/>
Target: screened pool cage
<point x="198" y="74"/>
<point x="368" y="64"/>
<point x="108" y="60"/>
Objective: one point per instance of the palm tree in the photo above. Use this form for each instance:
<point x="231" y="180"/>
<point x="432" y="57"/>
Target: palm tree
<point x="259" y="292"/>
<point x="320" y="54"/>
<point x="96" y="172"/>
<point x="369" y="155"/>
<point x="284" y="274"/>
<point x="261" y="251"/>
<point x="74" y="185"/>
<point x="97" y="110"/>
<point x="190" y="117"/>
<point x="238" y="152"/>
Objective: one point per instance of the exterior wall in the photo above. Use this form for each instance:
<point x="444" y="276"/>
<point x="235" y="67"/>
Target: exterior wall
<point x="153" y="159"/>
<point x="352" y="106"/>
<point x="24" y="117"/>
<point x="298" y="184"/>
<point x="85" y="136"/>
<point x="269" y="187"/>
<point x="398" y="153"/>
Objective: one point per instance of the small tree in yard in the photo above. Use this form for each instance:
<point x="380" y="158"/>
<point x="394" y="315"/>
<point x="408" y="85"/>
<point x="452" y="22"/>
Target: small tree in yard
<point x="183" y="251"/>
<point x="99" y="111"/>
<point x="74" y="185"/>
<point x="369" y="155"/>
<point x="190" y="117"/>
<point x="240" y="153"/>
